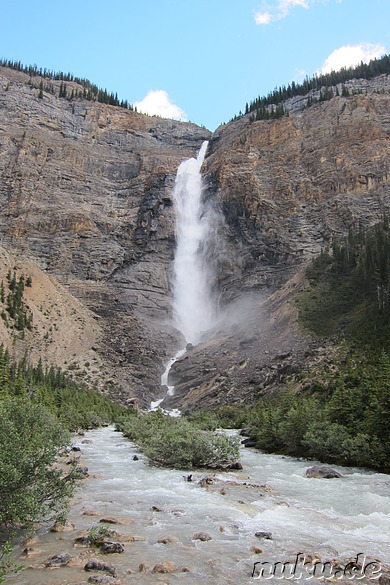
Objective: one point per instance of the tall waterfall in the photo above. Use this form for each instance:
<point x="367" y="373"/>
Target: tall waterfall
<point x="192" y="299"/>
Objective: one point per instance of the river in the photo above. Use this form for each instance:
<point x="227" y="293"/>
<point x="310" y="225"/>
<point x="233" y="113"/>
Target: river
<point x="335" y="518"/>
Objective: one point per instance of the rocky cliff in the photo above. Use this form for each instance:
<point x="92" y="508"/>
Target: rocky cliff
<point x="286" y="188"/>
<point x="86" y="194"/>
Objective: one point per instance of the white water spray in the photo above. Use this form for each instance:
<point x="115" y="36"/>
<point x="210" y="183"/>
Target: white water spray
<point x="192" y="299"/>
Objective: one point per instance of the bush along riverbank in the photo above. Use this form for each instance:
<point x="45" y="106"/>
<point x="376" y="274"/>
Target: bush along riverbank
<point x="176" y="442"/>
<point x="38" y="409"/>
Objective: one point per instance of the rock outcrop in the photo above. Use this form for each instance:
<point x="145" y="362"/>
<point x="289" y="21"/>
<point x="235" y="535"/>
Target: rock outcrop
<point x="86" y="195"/>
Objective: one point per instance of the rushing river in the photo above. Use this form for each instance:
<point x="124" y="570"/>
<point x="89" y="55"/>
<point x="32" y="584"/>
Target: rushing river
<point x="336" y="518"/>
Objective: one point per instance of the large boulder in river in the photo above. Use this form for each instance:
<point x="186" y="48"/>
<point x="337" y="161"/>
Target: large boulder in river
<point x="112" y="547"/>
<point x="322" y="472"/>
<point x="95" y="565"/>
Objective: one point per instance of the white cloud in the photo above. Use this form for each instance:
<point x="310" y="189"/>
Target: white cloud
<point x="263" y="18"/>
<point x="279" y="11"/>
<point x="157" y="103"/>
<point x="352" y="55"/>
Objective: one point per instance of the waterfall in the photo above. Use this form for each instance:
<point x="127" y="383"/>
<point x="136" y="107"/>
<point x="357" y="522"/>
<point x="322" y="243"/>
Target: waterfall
<point x="193" y="305"/>
<point x="192" y="298"/>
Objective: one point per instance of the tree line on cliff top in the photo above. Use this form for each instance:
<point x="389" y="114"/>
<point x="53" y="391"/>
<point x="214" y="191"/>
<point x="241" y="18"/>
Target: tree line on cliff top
<point x="271" y="105"/>
<point x="90" y="91"/>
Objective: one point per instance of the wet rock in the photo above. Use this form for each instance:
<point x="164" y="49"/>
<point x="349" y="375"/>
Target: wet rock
<point x="82" y="540"/>
<point x="202" y="536"/>
<point x="112" y="520"/>
<point x="95" y="565"/>
<point x="135" y="458"/>
<point x="112" y="547"/>
<point x="76" y="449"/>
<point x="245" y="432"/>
<point x="384" y="579"/>
<point x="322" y="472"/>
<point x="157" y="509"/>
<point x="248" y="442"/>
<point x="59" y="527"/>
<point x="205" y="481"/>
<point x="257" y="550"/>
<point x="265" y="535"/>
<point x="142" y="568"/>
<point x="60" y="560"/>
<point x="104" y="580"/>
<point x="90" y="513"/>
<point x="178" y="513"/>
<point x="87" y="442"/>
<point x="82" y="471"/>
<point x="131" y="538"/>
<point x="237" y="465"/>
<point x="30" y="551"/>
<point x="167" y="540"/>
<point x="165" y="567"/>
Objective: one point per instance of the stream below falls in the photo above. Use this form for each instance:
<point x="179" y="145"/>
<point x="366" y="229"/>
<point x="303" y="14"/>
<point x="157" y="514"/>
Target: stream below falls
<point x="336" y="518"/>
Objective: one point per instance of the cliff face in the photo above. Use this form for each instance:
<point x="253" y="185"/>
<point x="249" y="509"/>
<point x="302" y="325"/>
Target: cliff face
<point x="86" y="193"/>
<point x="286" y="188"/>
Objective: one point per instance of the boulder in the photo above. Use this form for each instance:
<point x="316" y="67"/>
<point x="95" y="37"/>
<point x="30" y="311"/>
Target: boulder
<point x="112" y="547"/>
<point x="104" y="580"/>
<point x="82" y="540"/>
<point x="30" y="551"/>
<point x="82" y="471"/>
<point x="202" y="536"/>
<point x="237" y="465"/>
<point x="60" y="560"/>
<point x="265" y="535"/>
<point x="322" y="472"/>
<point x="248" y="442"/>
<point x="95" y="565"/>
<point x="60" y="527"/>
<point x="165" y="567"/>
<point x="167" y="540"/>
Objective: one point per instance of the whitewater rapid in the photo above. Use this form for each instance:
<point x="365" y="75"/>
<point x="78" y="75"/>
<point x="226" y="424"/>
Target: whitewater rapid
<point x="336" y="518"/>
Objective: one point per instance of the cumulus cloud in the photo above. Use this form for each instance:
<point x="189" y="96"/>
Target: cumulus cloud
<point x="279" y="11"/>
<point x="263" y="18"/>
<point x="352" y="55"/>
<point x="158" y="103"/>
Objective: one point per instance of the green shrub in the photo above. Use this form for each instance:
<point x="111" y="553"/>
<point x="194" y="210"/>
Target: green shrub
<point x="30" y="484"/>
<point x="175" y="442"/>
<point x="98" y="534"/>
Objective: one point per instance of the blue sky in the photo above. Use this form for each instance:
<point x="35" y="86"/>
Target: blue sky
<point x="202" y="59"/>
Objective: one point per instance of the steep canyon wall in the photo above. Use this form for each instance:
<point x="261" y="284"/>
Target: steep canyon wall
<point x="86" y="193"/>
